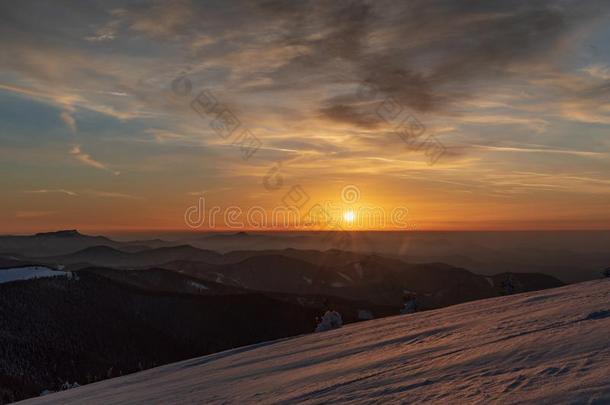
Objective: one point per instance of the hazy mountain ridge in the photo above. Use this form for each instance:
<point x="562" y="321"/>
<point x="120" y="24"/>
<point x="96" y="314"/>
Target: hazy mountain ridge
<point x="349" y="275"/>
<point x="570" y="256"/>
<point x="66" y="242"/>
<point x="112" y="257"/>
<point x="162" y="280"/>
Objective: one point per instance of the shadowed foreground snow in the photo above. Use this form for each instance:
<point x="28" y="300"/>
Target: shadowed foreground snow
<point x="550" y="346"/>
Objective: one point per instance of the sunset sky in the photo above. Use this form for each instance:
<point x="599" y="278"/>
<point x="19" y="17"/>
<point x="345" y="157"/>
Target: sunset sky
<point x="97" y="131"/>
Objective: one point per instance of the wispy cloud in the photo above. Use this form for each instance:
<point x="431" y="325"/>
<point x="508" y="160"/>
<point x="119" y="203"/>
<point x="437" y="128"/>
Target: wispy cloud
<point x="165" y="136"/>
<point x="196" y="193"/>
<point x="540" y="150"/>
<point x="519" y="182"/>
<point x="93" y="193"/>
<point x="108" y="31"/>
<point x="112" y="194"/>
<point x="86" y="159"/>
<point x="69" y="99"/>
<point x="537" y="124"/>
<point x="33" y="214"/>
<point x="598" y="71"/>
<point x="68" y="120"/>
<point x="587" y="111"/>
<point x="49" y="191"/>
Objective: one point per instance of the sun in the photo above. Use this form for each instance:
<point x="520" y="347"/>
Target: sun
<point x="349" y="216"/>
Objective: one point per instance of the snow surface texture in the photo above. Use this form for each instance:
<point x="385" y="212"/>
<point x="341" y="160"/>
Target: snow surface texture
<point x="549" y="346"/>
<point x="27" y="273"/>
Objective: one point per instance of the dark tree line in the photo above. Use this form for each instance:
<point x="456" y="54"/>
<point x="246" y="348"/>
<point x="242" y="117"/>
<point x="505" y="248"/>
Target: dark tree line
<point x="54" y="331"/>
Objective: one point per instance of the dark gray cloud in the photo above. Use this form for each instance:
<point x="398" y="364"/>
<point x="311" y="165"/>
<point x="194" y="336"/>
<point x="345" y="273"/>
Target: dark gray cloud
<point x="424" y="53"/>
<point x="351" y="115"/>
<point x="427" y="54"/>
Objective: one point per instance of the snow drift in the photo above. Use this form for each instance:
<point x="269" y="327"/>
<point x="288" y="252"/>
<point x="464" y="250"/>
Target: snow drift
<point x="549" y="346"/>
<point x="30" y="272"/>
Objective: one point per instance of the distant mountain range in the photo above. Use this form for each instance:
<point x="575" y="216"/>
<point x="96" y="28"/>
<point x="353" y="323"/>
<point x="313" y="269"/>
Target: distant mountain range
<point x="133" y="305"/>
<point x="569" y="256"/>
<point x="113" y="257"/>
<point x="65" y="242"/>
<point x="354" y="276"/>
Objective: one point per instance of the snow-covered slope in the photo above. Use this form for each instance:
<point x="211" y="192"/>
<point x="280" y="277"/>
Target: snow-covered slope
<point x="551" y="346"/>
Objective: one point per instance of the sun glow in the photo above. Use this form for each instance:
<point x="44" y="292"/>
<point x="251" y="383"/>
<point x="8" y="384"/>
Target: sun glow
<point x="349" y="216"/>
